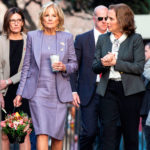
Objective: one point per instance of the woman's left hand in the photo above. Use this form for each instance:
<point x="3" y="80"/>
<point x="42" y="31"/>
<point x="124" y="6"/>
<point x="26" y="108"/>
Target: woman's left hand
<point x="59" y="66"/>
<point x="109" y="60"/>
<point x="4" y="84"/>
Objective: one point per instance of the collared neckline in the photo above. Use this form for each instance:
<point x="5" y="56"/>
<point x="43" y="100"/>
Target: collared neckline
<point x="120" y="40"/>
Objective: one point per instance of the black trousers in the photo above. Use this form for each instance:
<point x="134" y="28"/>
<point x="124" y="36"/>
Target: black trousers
<point x="146" y="130"/>
<point x="89" y="123"/>
<point x="120" y="115"/>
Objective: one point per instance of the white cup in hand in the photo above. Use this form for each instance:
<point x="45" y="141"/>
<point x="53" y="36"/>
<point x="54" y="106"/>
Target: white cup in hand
<point x="54" y="59"/>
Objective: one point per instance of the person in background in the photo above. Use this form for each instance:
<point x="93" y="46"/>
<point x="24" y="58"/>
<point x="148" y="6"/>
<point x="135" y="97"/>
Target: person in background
<point x="120" y="58"/>
<point x="84" y="81"/>
<point x="47" y="84"/>
<point x="12" y="51"/>
<point x="146" y="100"/>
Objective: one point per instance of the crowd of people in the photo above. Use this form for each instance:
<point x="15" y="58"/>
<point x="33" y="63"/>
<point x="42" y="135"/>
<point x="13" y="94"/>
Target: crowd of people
<point x="105" y="73"/>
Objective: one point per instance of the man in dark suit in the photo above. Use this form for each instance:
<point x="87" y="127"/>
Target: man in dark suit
<point x="84" y="82"/>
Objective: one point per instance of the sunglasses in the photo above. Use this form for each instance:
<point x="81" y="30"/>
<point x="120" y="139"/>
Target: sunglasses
<point x="101" y="18"/>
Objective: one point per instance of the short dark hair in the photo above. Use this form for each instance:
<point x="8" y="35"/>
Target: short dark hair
<point x="125" y="17"/>
<point x="7" y="16"/>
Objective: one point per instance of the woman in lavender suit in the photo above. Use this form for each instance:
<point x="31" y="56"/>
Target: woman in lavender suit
<point x="48" y="91"/>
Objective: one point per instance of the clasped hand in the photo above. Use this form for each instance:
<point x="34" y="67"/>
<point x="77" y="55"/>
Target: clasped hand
<point x="109" y="60"/>
<point x="3" y="84"/>
<point x="59" y="66"/>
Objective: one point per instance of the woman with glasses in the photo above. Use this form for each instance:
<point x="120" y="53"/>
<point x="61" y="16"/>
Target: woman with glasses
<point x="12" y="51"/>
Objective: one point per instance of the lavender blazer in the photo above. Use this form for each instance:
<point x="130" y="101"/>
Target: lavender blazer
<point x="31" y="65"/>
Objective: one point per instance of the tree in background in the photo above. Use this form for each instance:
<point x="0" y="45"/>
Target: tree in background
<point x="138" y="6"/>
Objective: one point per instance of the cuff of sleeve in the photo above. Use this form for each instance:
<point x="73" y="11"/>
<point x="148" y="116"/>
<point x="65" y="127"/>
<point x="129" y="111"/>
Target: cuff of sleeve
<point x="74" y="92"/>
<point x="65" y="74"/>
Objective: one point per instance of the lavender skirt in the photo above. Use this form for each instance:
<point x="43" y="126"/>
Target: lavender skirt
<point x="48" y="117"/>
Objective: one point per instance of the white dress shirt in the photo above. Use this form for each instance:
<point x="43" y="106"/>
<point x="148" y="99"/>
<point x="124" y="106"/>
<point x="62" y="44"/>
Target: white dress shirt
<point x="115" y="75"/>
<point x="96" y="35"/>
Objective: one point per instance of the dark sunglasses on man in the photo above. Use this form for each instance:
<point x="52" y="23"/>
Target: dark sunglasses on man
<point x="101" y="18"/>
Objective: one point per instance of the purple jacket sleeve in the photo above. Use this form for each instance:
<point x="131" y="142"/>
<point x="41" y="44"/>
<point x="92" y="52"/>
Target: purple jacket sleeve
<point x="72" y="65"/>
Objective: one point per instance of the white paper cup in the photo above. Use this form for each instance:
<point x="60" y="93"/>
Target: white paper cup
<point x="54" y="59"/>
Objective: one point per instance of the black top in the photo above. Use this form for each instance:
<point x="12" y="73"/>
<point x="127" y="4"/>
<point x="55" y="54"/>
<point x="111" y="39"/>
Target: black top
<point x="16" y="48"/>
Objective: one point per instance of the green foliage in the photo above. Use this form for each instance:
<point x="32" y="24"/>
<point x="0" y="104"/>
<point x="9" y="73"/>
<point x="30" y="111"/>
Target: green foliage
<point x="140" y="7"/>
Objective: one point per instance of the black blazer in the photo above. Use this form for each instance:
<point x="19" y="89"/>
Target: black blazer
<point x="84" y="80"/>
<point x="130" y="63"/>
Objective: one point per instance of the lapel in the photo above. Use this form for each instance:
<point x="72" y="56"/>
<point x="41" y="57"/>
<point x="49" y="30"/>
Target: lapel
<point x="23" y="52"/>
<point x="60" y="45"/>
<point x="122" y="48"/>
<point x="38" y="46"/>
<point x="6" y="54"/>
<point x="91" y="40"/>
<point x="108" y="46"/>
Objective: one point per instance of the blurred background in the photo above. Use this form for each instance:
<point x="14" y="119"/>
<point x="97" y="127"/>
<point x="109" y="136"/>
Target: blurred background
<point x="78" y="13"/>
<point x="78" y="19"/>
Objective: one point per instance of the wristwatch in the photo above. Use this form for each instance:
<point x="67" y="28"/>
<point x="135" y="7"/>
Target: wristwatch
<point x="7" y="83"/>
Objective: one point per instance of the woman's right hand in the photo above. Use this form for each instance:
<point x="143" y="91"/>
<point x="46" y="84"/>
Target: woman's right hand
<point x="3" y="84"/>
<point x="17" y="101"/>
<point x="108" y="60"/>
<point x="76" y="99"/>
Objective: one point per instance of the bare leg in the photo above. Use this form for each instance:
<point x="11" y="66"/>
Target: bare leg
<point x="42" y="142"/>
<point x="5" y="142"/>
<point x="26" y="145"/>
<point x="57" y="144"/>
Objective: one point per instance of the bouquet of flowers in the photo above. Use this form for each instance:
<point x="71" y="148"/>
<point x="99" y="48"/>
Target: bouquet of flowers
<point x="16" y="126"/>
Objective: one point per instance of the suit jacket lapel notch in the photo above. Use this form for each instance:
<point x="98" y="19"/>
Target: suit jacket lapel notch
<point x="109" y="45"/>
<point x="92" y="42"/>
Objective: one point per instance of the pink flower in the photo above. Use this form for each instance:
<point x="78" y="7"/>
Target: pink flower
<point x="3" y="124"/>
<point x="10" y="125"/>
<point x="21" y="122"/>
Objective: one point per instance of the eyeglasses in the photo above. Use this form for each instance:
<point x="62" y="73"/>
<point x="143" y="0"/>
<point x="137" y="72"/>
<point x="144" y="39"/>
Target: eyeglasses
<point x="13" y="21"/>
<point x="101" y="18"/>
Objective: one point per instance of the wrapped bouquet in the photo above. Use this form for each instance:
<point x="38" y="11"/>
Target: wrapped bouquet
<point x="16" y="126"/>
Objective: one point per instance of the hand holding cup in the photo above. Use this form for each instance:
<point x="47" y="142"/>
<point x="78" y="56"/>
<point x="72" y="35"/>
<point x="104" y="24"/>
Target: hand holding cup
<point x="56" y="64"/>
<point x="59" y="66"/>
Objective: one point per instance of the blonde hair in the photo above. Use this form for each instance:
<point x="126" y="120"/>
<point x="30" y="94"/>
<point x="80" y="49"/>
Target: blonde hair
<point x="58" y="11"/>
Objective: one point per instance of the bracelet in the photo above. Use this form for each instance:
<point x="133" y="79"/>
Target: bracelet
<point x="7" y="83"/>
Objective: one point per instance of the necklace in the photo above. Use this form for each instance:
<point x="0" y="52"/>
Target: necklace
<point x="48" y="39"/>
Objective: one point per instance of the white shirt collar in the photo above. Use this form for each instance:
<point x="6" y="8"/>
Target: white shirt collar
<point x="121" y="39"/>
<point x="96" y="34"/>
